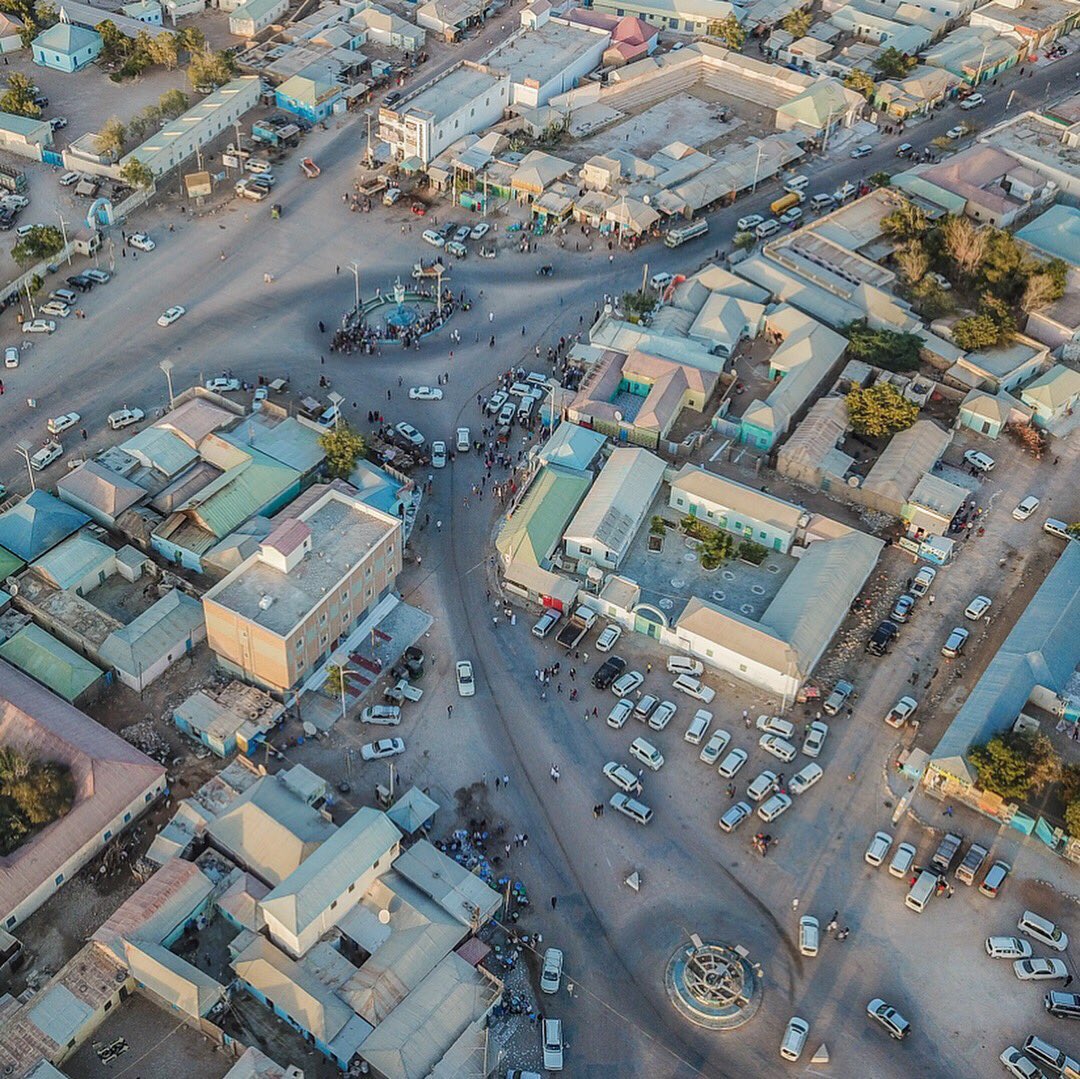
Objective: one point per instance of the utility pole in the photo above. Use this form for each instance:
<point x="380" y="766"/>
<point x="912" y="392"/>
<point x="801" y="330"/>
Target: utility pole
<point x="63" y="233"/>
<point x="644" y="277"/>
<point x="356" y="278"/>
<point x="167" y="366"/>
<point x="24" y="448"/>
<point x="757" y="167"/>
<point x="29" y="299"/>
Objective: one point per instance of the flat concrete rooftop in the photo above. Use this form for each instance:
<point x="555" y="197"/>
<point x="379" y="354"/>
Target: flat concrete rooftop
<point x="452" y="92"/>
<point x="342" y="534"/>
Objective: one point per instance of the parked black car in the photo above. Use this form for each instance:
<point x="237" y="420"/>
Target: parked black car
<point x="609" y="671"/>
<point x="881" y="638"/>
<point x="81" y="282"/>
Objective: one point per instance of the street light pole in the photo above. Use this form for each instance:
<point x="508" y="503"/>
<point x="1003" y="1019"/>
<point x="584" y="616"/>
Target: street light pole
<point x="63" y="233"/>
<point x="167" y="366"/>
<point x="356" y="278"/>
<point x="757" y="167"/>
<point x="24" y="448"/>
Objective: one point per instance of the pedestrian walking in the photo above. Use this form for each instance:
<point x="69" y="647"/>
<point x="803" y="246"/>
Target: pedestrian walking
<point x="506" y="782"/>
<point x="1067" y="982"/>
<point x="795" y="904"/>
<point x="746" y="718"/>
<point x="498" y="783"/>
<point x="554" y="901"/>
<point x="449" y="710"/>
<point x="930" y="599"/>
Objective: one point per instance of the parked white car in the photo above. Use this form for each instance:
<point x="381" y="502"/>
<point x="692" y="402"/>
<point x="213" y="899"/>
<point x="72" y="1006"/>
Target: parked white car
<point x="11" y="356"/>
<point x="734" y="816"/>
<point x="770" y="810"/>
<point x="125" y="417"/>
<point x="809" y="935"/>
<point x="699" y="725"/>
<point x="222" y="384"/>
<point x="981" y="462"/>
<point x="1007" y="948"/>
<point x="778" y="747"/>
<point x="1040" y="970"/>
<point x="141" y="242"/>
<point x="732" y="763"/>
<point x="902" y="860"/>
<point x="551" y="972"/>
<point x="384" y="747"/>
<point x="749" y="222"/>
<point x="623" y="778"/>
<point x="662" y="714"/>
<point x="879" y="848"/>
<point x="626" y="683"/>
<point x="463" y="440"/>
<point x="62" y="423"/>
<point x="805" y="778"/>
<point x="438" y="454"/>
<point x="606" y="641"/>
<point x="39" y="325"/>
<point x="816" y="733"/>
<point x="685" y="665"/>
<point x="717" y="743"/>
<point x="978" y="607"/>
<point x="775" y="725"/>
<point x="425" y="393"/>
<point x="465" y="685"/>
<point x="385" y="715"/>
<point x="622" y="711"/>
<point x="761" y="786"/>
<point x="694" y="687"/>
<point x="902" y="711"/>
<point x="1025" y="508"/>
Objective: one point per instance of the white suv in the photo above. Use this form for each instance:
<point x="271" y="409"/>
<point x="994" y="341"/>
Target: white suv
<point x="694" y="687"/>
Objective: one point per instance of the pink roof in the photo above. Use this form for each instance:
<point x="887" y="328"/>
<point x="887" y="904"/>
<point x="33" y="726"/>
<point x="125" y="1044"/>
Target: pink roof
<point x="584" y="16"/>
<point x="634" y="31"/>
<point x="109" y="775"/>
<point x="288" y="535"/>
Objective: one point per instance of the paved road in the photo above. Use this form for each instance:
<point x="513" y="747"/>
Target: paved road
<point x="619" y="1022"/>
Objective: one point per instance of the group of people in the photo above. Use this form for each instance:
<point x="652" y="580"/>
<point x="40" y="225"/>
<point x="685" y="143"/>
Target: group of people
<point x="359" y="335"/>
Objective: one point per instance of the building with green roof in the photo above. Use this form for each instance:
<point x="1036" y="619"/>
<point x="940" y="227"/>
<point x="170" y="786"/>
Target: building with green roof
<point x="51" y="663"/>
<point x="536" y="525"/>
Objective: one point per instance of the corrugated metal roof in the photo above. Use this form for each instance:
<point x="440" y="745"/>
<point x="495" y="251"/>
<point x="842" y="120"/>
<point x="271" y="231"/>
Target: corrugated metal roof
<point x="810" y="605"/>
<point x="356" y="846"/>
<point x="452" y="886"/>
<point x="269" y="830"/>
<point x="225" y="503"/>
<point x="1042" y="649"/>
<point x="175" y="980"/>
<point x="906" y="458"/>
<point x="255" y="1064"/>
<point x="160" y="449"/>
<point x="289" y="442"/>
<point x="59" y="1014"/>
<point x="537" y="524"/>
<point x="619" y="499"/>
<point x="50" y="662"/>
<point x="194" y="420"/>
<point x="109" y="775"/>
<point x="572" y="446"/>
<point x="75" y="559"/>
<point x="100" y="487"/>
<point x="37" y="524"/>
<point x="141" y="643"/>
<point x="411" y="1041"/>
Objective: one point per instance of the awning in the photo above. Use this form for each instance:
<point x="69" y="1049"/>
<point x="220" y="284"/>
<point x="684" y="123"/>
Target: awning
<point x="412" y="164"/>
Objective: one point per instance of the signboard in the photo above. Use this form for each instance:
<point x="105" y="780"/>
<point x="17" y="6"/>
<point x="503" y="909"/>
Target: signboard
<point x="909" y="545"/>
<point x="198" y="184"/>
<point x="230" y="161"/>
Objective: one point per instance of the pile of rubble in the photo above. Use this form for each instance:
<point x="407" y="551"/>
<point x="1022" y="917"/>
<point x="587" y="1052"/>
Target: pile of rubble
<point x="143" y="736"/>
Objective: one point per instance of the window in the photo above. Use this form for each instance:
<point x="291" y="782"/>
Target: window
<point x="352" y="887"/>
<point x="59" y="879"/>
<point x="108" y="1005"/>
<point x="322" y="619"/>
<point x="585" y="550"/>
<point x="345" y="596"/>
<point x="763" y="535"/>
<point x="127" y="817"/>
<point x="107" y="836"/>
<point x="10" y="923"/>
<point x="334" y="904"/>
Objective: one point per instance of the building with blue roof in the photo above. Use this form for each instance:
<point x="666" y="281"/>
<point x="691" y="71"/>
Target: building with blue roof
<point x="65" y="47"/>
<point x="1055" y="233"/>
<point x="80" y="564"/>
<point x="1035" y="663"/>
<point x="52" y="664"/>
<point x="37" y="524"/>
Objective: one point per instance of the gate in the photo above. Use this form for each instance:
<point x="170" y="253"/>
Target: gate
<point x="51" y="157"/>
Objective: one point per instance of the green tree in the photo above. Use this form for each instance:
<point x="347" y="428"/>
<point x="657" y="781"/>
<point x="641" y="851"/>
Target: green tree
<point x="880" y="179"/>
<point x="894" y="64"/>
<point x="880" y="410"/>
<point x="861" y="82"/>
<point x="343" y="448"/>
<point x="797" y="23"/>
<point x="164" y="50"/>
<point x="173" y="103"/>
<point x="207" y="68"/>
<point x="335" y="679"/>
<point x="1041" y="290"/>
<point x="913" y="260"/>
<point x="638" y="304"/>
<point x="1072" y="818"/>
<point x="729" y="30"/>
<point x="883" y="348"/>
<point x="976" y="332"/>
<point x="135" y="174"/>
<point x="715" y="548"/>
<point x="743" y="241"/>
<point x="18" y="98"/>
<point x="143" y="123"/>
<point x="115" y="46"/>
<point x="44" y="795"/>
<point x="906" y="222"/>
<point x="1002" y="766"/>
<point x="111" y="138"/>
<point x="41" y="242"/>
<point x="965" y="243"/>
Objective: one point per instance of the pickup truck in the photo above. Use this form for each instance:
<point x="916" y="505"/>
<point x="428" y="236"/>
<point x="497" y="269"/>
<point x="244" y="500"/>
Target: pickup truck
<point x="309" y="168"/>
<point x="46" y="455"/>
<point x="971" y="864"/>
<point x="249" y="191"/>
<point x="946" y="852"/>
<point x="402" y="691"/>
<point x="581" y="621"/>
<point x="841" y="692"/>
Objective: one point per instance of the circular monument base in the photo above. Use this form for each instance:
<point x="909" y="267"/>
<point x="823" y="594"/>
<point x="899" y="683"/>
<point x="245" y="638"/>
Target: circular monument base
<point x="713" y="986"/>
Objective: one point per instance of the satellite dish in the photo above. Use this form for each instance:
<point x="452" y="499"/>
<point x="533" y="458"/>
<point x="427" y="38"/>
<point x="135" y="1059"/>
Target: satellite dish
<point x="854" y="481"/>
<point x="310" y="729"/>
<point x="646" y="199"/>
<point x="618" y="416"/>
<point x="384" y="916"/>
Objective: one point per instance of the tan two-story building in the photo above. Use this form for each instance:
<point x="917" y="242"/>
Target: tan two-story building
<point x="278" y="616"/>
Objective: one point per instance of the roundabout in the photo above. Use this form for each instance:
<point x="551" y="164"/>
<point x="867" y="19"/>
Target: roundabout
<point x="402" y="315"/>
<point x="713" y="984"/>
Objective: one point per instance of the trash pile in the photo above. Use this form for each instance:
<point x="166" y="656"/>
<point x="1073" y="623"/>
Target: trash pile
<point x="143" y="736"/>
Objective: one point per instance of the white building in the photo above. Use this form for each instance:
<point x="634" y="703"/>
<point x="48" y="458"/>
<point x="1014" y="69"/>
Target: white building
<point x="325" y="887"/>
<point x="180" y="138"/>
<point x="255" y="15"/>
<point x="607" y="521"/>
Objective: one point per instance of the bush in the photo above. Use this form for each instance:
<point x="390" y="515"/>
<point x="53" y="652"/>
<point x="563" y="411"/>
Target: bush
<point x="752" y="552"/>
<point x="32" y="795"/>
<point x="880" y="410"/>
<point x="1010" y="764"/>
<point x="1072" y="819"/>
<point x="883" y="348"/>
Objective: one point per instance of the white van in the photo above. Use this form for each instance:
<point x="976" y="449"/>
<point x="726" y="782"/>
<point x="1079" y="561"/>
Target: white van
<point x="767" y="229"/>
<point x="525" y="409"/>
<point x="794" y="1040"/>
<point x="1043" y="930"/>
<point x="921" y="892"/>
<point x="797" y="184"/>
<point x="684" y="665"/>
<point x="647" y="753"/>
<point x="1056" y="528"/>
<point x="546" y="623"/>
<point x="631" y="807"/>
